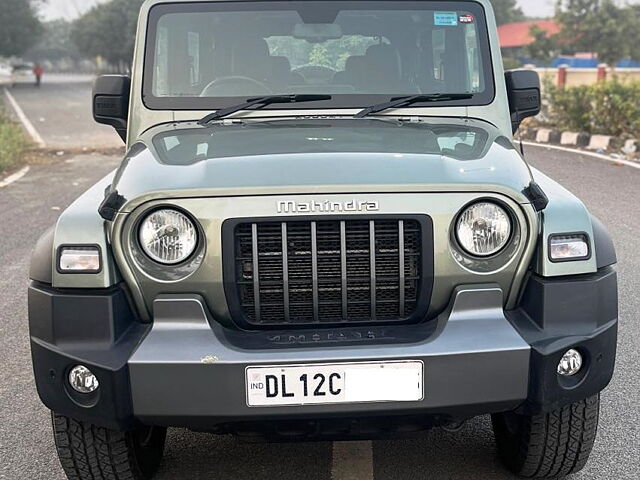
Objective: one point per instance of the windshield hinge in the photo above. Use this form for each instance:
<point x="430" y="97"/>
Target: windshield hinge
<point x="111" y="204"/>
<point x="536" y="195"/>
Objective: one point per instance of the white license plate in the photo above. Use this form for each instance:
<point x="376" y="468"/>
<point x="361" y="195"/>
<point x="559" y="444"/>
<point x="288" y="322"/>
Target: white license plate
<point x="335" y="383"/>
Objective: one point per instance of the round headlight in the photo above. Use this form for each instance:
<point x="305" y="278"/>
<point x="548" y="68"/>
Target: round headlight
<point x="483" y="229"/>
<point x="168" y="237"/>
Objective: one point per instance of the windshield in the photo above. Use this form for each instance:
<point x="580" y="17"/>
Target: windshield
<point x="206" y="56"/>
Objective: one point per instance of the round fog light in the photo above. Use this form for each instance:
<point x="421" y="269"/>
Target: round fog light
<point x="82" y="380"/>
<point x="570" y="364"/>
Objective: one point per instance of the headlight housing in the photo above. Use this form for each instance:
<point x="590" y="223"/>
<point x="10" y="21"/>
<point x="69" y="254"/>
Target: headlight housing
<point x="483" y="229"/>
<point x="168" y="236"/>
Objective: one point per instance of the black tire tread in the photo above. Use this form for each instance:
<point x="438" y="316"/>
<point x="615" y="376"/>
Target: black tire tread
<point x="550" y="445"/>
<point x="88" y="452"/>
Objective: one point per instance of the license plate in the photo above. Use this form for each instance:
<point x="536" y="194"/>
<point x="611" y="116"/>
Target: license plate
<point x="335" y="383"/>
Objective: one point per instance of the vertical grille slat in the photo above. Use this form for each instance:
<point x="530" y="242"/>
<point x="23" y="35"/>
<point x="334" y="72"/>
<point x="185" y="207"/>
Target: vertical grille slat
<point x="401" y="268"/>
<point x="328" y="271"/>
<point x="314" y="270"/>
<point x="372" y="268"/>
<point x="343" y="269"/>
<point x="256" y="271"/>
<point x="285" y="272"/>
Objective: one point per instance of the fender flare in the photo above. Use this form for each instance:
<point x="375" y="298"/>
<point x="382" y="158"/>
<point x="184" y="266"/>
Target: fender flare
<point x="41" y="269"/>
<point x="605" y="249"/>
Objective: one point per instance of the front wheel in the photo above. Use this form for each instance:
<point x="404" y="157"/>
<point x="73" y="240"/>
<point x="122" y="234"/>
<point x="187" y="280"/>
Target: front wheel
<point x="550" y="445"/>
<point x="89" y="452"/>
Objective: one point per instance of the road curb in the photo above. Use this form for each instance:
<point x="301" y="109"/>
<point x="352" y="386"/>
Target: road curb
<point x="601" y="144"/>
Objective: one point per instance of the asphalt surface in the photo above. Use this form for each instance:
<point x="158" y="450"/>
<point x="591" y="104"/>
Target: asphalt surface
<point x="60" y="110"/>
<point x="29" y="206"/>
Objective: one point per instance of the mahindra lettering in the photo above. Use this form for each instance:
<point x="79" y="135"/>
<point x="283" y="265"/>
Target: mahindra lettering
<point x="322" y="230"/>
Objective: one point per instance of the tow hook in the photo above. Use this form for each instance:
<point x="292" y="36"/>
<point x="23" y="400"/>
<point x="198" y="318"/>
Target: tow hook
<point x="454" y="426"/>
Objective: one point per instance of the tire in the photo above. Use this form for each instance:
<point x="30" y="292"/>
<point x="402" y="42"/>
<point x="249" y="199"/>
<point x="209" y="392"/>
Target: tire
<point x="89" y="452"/>
<point x="550" y="445"/>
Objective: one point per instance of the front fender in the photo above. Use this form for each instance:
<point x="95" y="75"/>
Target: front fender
<point x="566" y="214"/>
<point x="80" y="224"/>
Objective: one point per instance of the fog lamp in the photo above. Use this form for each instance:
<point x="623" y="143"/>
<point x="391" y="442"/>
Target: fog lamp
<point x="82" y="380"/>
<point x="570" y="364"/>
<point x="79" y="260"/>
<point x="566" y="248"/>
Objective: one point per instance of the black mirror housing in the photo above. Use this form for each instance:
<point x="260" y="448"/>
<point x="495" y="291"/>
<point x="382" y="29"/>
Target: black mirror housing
<point x="111" y="95"/>
<point x="524" y="92"/>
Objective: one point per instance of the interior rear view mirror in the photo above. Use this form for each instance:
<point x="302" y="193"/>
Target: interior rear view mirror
<point x="317" y="32"/>
<point x="523" y="90"/>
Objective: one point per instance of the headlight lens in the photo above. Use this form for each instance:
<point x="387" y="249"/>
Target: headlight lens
<point x="565" y="248"/>
<point x="168" y="237"/>
<point x="483" y="229"/>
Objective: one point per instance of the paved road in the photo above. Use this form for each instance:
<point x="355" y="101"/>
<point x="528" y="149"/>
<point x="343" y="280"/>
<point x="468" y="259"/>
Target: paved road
<point x="29" y="206"/>
<point x="60" y="111"/>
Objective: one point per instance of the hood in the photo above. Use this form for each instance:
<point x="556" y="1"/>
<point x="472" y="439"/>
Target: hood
<point x="302" y="156"/>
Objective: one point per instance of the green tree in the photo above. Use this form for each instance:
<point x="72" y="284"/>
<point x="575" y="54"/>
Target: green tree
<point x="55" y="43"/>
<point x="20" y="27"/>
<point x="507" y="11"/>
<point x="108" y="30"/>
<point x="599" y="26"/>
<point x="545" y="47"/>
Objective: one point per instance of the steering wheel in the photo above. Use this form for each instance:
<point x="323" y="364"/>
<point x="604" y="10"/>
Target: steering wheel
<point x="231" y="86"/>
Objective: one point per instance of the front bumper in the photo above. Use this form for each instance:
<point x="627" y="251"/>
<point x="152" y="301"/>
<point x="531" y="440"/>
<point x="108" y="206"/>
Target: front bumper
<point x="187" y="370"/>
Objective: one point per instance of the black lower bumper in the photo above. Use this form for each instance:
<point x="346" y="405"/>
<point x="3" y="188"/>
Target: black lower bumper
<point x="186" y="370"/>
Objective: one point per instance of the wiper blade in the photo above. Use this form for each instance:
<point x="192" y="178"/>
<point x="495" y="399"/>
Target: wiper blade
<point x="410" y="100"/>
<point x="261" y="102"/>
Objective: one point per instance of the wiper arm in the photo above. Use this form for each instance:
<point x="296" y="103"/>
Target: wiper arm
<point x="261" y="102"/>
<point x="410" y="100"/>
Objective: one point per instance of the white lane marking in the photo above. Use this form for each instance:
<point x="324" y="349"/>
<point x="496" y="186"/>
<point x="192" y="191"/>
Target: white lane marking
<point x="31" y="130"/>
<point x="352" y="461"/>
<point x="15" y="177"/>
<point x="597" y="156"/>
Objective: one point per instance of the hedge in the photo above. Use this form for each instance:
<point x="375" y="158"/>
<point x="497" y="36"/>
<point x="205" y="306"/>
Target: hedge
<point x="606" y="108"/>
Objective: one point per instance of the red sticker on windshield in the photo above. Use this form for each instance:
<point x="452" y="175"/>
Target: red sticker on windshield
<point x="467" y="18"/>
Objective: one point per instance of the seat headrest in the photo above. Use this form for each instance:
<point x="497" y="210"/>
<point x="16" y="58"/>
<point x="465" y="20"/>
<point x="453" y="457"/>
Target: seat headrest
<point x="385" y="58"/>
<point x="250" y="57"/>
<point x="281" y="63"/>
<point x="356" y="62"/>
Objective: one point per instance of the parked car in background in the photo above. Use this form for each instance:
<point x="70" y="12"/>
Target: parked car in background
<point x="5" y="73"/>
<point x="23" y="73"/>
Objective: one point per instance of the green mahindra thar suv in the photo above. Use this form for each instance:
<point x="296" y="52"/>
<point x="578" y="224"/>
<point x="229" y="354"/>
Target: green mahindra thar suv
<point x="321" y="230"/>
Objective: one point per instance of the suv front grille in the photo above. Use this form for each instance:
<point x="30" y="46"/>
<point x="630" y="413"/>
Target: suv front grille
<point x="297" y="273"/>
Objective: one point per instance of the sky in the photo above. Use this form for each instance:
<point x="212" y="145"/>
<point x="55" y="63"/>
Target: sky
<point x="70" y="9"/>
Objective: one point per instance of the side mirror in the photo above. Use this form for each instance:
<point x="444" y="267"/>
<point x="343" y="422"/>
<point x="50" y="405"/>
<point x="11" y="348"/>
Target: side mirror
<point x="111" y="102"/>
<point x="523" y="90"/>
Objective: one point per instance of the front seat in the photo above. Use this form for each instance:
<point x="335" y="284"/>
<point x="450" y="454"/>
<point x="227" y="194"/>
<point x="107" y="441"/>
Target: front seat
<point x="384" y="70"/>
<point x="248" y="70"/>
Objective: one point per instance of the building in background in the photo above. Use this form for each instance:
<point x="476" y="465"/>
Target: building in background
<point x="516" y="37"/>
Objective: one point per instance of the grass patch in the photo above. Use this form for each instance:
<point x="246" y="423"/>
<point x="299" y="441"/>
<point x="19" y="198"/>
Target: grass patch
<point x="13" y="143"/>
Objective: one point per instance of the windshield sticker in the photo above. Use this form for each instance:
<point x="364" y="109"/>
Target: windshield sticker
<point x="467" y="18"/>
<point x="445" y="19"/>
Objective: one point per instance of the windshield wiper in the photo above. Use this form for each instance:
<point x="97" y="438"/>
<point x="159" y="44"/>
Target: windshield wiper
<point x="410" y="100"/>
<point x="261" y="102"/>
